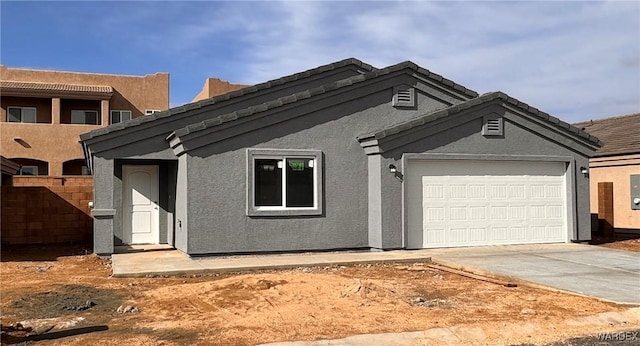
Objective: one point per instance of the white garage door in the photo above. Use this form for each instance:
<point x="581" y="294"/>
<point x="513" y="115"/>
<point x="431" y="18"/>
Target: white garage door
<point x="467" y="203"/>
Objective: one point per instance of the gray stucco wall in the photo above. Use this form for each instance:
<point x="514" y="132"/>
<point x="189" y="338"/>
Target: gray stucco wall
<point x="217" y="176"/>
<point x="103" y="208"/>
<point x="181" y="220"/>
<point x="462" y="135"/>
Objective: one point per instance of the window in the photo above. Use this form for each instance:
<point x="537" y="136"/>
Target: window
<point x="85" y="117"/>
<point x="151" y="111"/>
<point x="21" y="114"/>
<point x="120" y="116"/>
<point x="284" y="182"/>
<point x="29" y="170"/>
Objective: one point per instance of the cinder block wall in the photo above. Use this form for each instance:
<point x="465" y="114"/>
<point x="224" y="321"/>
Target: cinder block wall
<point x="46" y="210"/>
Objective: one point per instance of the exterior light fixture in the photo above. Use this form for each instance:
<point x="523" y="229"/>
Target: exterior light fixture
<point x="584" y="171"/>
<point x="394" y="170"/>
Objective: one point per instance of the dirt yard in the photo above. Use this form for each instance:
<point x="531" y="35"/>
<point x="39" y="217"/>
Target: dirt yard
<point x="76" y="296"/>
<point x="627" y="245"/>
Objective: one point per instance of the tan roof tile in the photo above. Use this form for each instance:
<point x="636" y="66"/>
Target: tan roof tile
<point x="621" y="135"/>
<point x="17" y="85"/>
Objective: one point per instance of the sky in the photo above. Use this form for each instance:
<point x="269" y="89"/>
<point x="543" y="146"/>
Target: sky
<point x="577" y="60"/>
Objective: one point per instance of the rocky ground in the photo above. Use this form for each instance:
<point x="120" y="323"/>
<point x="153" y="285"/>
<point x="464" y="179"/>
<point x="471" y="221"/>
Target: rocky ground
<point x="57" y="296"/>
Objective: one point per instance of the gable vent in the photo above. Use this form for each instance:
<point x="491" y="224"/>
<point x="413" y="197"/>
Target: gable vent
<point x="493" y="125"/>
<point x="404" y="96"/>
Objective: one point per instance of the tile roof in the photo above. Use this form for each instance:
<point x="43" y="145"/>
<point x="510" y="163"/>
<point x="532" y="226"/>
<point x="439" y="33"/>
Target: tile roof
<point x="424" y="119"/>
<point x="370" y="73"/>
<point x="18" y="85"/>
<point x="228" y="96"/>
<point x="318" y="91"/>
<point x="621" y="135"/>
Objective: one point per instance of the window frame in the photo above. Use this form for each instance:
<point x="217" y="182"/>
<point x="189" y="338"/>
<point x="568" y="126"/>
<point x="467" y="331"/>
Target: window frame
<point x="120" y="111"/>
<point x="151" y="111"/>
<point x="37" y="171"/>
<point x="98" y="120"/>
<point x="284" y="154"/>
<point x="21" y="108"/>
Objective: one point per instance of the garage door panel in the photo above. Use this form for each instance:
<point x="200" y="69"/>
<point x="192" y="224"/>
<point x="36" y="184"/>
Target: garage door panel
<point x="463" y="203"/>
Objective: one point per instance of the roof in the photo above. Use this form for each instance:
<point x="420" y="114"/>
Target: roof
<point x="18" y="85"/>
<point x="282" y="101"/>
<point x="228" y="96"/>
<point x="621" y="135"/>
<point x="427" y="118"/>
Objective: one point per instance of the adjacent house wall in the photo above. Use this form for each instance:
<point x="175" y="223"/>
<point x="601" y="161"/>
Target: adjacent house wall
<point x="617" y="170"/>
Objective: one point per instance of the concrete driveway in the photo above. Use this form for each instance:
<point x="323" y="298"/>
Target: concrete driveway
<point x="607" y="274"/>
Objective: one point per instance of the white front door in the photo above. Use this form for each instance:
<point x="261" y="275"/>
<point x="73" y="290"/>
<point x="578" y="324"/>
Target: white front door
<point x="140" y="204"/>
<point x="466" y="203"/>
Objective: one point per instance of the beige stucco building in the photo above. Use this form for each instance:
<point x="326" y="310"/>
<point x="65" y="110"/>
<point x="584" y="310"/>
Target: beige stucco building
<point x="214" y="87"/>
<point x="43" y="113"/>
<point x="618" y="163"/>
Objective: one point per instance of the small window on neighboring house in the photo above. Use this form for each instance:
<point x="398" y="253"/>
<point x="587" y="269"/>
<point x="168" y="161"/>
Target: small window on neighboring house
<point x="151" y="111"/>
<point x="85" y="117"/>
<point x="284" y="182"/>
<point x="404" y="96"/>
<point x="493" y="125"/>
<point x="21" y="114"/>
<point x="120" y="116"/>
<point x="29" y="170"/>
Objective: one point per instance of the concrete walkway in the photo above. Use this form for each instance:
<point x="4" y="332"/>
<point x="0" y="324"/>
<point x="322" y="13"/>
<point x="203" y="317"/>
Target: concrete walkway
<point x="174" y="262"/>
<point x="607" y="274"/>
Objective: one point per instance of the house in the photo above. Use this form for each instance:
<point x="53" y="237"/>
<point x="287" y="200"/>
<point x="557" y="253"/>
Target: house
<point x="615" y="173"/>
<point x="214" y="87"/>
<point x="343" y="156"/>
<point x="43" y="112"/>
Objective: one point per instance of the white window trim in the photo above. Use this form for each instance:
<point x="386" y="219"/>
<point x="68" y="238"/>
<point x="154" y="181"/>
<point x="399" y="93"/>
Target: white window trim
<point x="35" y="110"/>
<point x="283" y="159"/>
<point x="151" y="111"/>
<point x="85" y="120"/>
<point x="277" y="154"/>
<point x="119" y="111"/>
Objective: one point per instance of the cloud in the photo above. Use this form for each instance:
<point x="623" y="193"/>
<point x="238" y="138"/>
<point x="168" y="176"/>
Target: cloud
<point x="577" y="60"/>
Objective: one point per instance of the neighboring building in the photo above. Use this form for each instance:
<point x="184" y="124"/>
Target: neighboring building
<point x="214" y="87"/>
<point x="342" y="156"/>
<point x="43" y="112"/>
<point x="617" y="163"/>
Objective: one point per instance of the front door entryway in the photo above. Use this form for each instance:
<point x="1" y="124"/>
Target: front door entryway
<point x="140" y="204"/>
